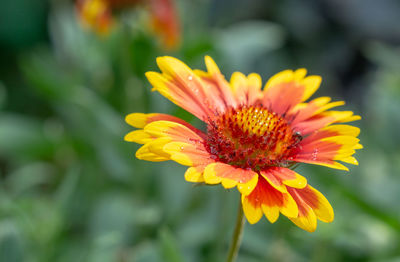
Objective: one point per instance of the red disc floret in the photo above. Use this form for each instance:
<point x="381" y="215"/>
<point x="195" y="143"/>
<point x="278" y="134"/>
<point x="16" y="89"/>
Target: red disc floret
<point x="251" y="137"/>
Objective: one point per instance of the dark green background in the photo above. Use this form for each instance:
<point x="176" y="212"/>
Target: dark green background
<point x="71" y="188"/>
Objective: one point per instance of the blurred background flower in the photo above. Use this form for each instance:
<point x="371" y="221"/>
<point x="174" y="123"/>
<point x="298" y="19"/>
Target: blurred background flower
<point x="163" y="18"/>
<point x="71" y="188"/>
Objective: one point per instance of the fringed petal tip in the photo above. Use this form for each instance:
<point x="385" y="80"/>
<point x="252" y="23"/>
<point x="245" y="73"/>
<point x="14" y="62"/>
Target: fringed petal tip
<point x="298" y="77"/>
<point x="312" y="206"/>
<point x="264" y="199"/>
<point x="303" y="206"/>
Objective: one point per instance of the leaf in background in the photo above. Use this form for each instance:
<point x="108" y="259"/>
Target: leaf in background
<point x="47" y="77"/>
<point x="11" y="242"/>
<point x="169" y="246"/>
<point x="26" y="179"/>
<point x="113" y="213"/>
<point x="23" y="137"/>
<point x="146" y="251"/>
<point x="3" y="95"/>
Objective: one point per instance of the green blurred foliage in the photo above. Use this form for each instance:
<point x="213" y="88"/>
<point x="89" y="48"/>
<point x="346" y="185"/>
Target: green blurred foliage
<point x="71" y="188"/>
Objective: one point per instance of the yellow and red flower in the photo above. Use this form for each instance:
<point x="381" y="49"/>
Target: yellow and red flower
<point x="253" y="136"/>
<point x="97" y="15"/>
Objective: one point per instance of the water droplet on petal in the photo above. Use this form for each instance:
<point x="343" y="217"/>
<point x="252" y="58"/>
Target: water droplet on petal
<point x="314" y="154"/>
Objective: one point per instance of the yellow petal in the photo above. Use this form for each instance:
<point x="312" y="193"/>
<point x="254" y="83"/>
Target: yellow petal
<point x="201" y="73"/>
<point x="320" y="101"/>
<point x="252" y="213"/>
<point x="247" y="188"/>
<point x="351" y="119"/>
<point x="289" y="208"/>
<point x="228" y="183"/>
<point x="274" y="183"/>
<point x="210" y="175"/>
<point x="324" y="212"/>
<point x="138" y="136"/>
<point x="175" y="149"/>
<point x="299" y="182"/>
<point x="307" y="222"/>
<point x="311" y="83"/>
<point x="342" y="140"/>
<point x="212" y="67"/>
<point x="137" y="120"/>
<point x="182" y="159"/>
<point x="329" y="106"/>
<point x="343" y="130"/>
<point x="159" y="128"/>
<point x="299" y="74"/>
<point x="170" y="66"/>
<point x="157" y="146"/>
<point x="156" y="79"/>
<point x="350" y="160"/>
<point x="144" y="153"/>
<point x="254" y="80"/>
<point x="193" y="175"/>
<point x="238" y="81"/>
<point x="335" y="165"/>
<point x="159" y="83"/>
<point x="281" y="77"/>
<point x="270" y="212"/>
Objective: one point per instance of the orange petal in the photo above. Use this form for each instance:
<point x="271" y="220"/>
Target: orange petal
<point x="322" y="120"/>
<point x="282" y="97"/>
<point x="285" y="90"/>
<point x="216" y="81"/>
<point x="304" y="111"/>
<point x="287" y="177"/>
<point x="179" y="84"/>
<point x="312" y="205"/>
<point x="247" y="89"/>
<point x="306" y="220"/>
<point x="266" y="199"/>
<point x="317" y="149"/>
<point x="274" y="181"/>
<point x="230" y="176"/>
<point x="185" y="88"/>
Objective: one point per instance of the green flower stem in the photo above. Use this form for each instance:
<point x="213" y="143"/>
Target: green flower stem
<point x="237" y="235"/>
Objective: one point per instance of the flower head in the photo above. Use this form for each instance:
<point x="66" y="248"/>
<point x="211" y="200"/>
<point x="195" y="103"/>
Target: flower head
<point x="252" y="139"/>
<point x="98" y="15"/>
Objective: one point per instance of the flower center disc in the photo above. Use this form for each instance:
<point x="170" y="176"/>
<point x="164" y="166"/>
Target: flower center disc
<point x="251" y="137"/>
